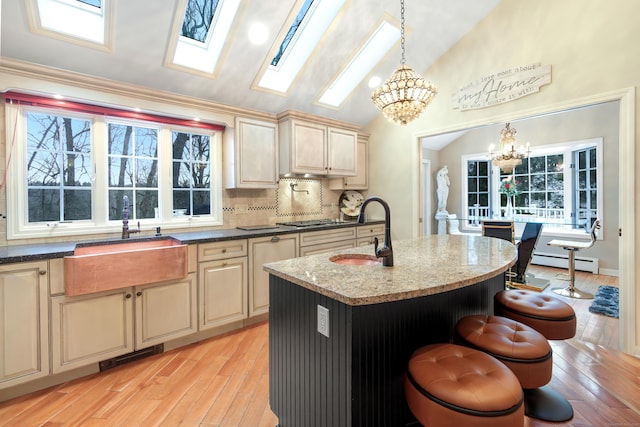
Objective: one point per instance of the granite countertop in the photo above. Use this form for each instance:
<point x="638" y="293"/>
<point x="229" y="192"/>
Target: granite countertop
<point x="44" y="251"/>
<point x="424" y="266"/>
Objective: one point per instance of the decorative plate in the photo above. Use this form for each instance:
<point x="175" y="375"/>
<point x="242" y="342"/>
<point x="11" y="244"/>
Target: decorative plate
<point x="350" y="203"/>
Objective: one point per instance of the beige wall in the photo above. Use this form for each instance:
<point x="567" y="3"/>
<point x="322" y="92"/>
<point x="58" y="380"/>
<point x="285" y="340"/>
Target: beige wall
<point x="591" y="46"/>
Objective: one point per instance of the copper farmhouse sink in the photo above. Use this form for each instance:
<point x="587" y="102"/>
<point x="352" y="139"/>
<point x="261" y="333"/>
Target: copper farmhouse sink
<point x="102" y="267"/>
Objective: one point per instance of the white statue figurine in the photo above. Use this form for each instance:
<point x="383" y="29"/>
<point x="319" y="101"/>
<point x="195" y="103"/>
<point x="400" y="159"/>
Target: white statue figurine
<point x="442" y="189"/>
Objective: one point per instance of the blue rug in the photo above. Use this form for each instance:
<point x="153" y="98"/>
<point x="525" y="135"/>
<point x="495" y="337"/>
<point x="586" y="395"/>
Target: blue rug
<point x="605" y="301"/>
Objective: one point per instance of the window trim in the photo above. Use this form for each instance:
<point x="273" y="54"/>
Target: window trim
<point x="567" y="148"/>
<point x="17" y="223"/>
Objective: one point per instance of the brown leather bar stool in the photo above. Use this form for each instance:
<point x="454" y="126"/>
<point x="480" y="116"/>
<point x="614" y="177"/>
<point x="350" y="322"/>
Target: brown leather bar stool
<point x="449" y="385"/>
<point x="523" y="350"/>
<point x="554" y="319"/>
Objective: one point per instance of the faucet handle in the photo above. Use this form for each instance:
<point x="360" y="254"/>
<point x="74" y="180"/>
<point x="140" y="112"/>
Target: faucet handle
<point x="375" y="245"/>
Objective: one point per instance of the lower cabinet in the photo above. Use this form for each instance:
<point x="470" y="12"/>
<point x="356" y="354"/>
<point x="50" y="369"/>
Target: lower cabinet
<point x="223" y="292"/>
<point x="263" y="250"/>
<point x="24" y="329"/>
<point x="92" y="328"/>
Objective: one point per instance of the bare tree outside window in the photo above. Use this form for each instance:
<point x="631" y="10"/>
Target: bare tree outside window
<point x="192" y="173"/>
<point x="197" y="19"/>
<point x="59" y="177"/>
<point x="133" y="170"/>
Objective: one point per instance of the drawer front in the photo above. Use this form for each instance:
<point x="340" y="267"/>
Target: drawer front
<point x="222" y="250"/>
<point x="327" y="247"/>
<point x="327" y="236"/>
<point x="370" y="230"/>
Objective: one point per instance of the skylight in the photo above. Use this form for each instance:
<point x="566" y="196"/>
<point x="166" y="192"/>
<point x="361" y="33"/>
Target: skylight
<point x="82" y="19"/>
<point x="197" y="19"/>
<point x="292" y="31"/>
<point x="373" y="50"/>
<point x="298" y="46"/>
<point x="205" y="37"/>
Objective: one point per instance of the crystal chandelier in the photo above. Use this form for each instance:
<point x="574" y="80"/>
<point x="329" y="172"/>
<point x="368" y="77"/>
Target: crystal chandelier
<point x="508" y="157"/>
<point x="404" y="95"/>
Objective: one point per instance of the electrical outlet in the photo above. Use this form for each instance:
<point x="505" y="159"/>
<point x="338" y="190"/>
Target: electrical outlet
<point x="323" y="320"/>
<point x="242" y="209"/>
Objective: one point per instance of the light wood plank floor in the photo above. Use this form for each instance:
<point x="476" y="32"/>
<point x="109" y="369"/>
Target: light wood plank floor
<point x="223" y="381"/>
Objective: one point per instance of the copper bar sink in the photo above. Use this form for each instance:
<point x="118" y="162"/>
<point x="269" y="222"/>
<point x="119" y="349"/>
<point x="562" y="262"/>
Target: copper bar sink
<point x="355" y="259"/>
<point x="102" y="267"/>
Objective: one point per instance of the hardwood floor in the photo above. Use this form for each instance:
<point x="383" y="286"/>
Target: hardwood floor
<point x="223" y="381"/>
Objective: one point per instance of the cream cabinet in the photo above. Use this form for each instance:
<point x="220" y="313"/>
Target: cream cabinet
<point x="263" y="250"/>
<point x="252" y="156"/>
<point x="367" y="233"/>
<point x="91" y="328"/>
<point x="310" y="146"/>
<point x="24" y="331"/>
<point x="361" y="180"/>
<point x="223" y="283"/>
<point x="317" y="242"/>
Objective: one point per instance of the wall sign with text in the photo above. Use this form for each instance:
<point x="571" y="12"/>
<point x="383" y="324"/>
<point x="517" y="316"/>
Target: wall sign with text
<point x="502" y="87"/>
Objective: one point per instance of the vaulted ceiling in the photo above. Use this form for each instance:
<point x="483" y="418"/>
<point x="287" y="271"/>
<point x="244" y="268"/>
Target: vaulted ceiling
<point x="141" y="38"/>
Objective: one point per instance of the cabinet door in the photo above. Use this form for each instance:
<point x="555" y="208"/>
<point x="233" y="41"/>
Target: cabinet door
<point x="223" y="292"/>
<point x="309" y="148"/>
<point x="261" y="251"/>
<point x="91" y="328"/>
<point x="256" y="154"/>
<point x="361" y="180"/>
<point x="24" y="332"/>
<point x="165" y="311"/>
<point x="342" y="152"/>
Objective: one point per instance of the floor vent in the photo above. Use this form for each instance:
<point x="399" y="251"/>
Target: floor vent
<point x="130" y="357"/>
<point x="562" y="261"/>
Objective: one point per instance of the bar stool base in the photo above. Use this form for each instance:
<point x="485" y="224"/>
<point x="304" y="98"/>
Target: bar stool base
<point x="546" y="404"/>
<point x="572" y="293"/>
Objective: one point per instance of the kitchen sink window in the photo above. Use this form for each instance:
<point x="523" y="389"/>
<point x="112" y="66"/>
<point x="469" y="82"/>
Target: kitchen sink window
<point x="556" y="184"/>
<point x="69" y="170"/>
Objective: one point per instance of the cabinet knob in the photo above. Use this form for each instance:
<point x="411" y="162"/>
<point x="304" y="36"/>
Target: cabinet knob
<point x="128" y="296"/>
<point x="42" y="272"/>
<point x="224" y="264"/>
<point x="139" y="293"/>
<point x="275" y="239"/>
<point x="224" y="251"/>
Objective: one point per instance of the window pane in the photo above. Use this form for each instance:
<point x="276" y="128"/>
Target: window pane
<point x="58" y="163"/>
<point x="472" y="184"/>
<point x="472" y="169"/>
<point x="556" y="200"/>
<point x="44" y="205"/>
<point x="555" y="163"/>
<point x="537" y="164"/>
<point x="538" y="183"/>
<point x="77" y="205"/>
<point x="146" y="203"/>
<point x="582" y="160"/>
<point x="483" y="184"/>
<point x="146" y="173"/>
<point x="593" y="181"/>
<point x="582" y="180"/>
<point x="483" y="169"/>
<point x="555" y="182"/>
<point x="120" y="173"/>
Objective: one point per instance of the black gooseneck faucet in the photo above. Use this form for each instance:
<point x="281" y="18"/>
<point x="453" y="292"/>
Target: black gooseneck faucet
<point x="386" y="251"/>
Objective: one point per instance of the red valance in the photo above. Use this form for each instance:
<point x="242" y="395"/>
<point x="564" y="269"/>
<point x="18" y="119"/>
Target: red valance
<point x="41" y="101"/>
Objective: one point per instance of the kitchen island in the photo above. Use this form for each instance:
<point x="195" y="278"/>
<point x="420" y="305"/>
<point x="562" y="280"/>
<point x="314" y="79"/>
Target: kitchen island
<point x="372" y="318"/>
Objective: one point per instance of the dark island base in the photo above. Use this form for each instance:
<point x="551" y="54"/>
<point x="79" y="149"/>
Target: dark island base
<point x="355" y="377"/>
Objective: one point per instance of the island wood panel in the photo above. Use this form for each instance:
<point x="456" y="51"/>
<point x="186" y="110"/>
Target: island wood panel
<point x="355" y="377"/>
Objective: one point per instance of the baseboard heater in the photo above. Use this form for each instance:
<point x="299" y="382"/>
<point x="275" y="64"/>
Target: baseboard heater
<point x="562" y="261"/>
<point x="130" y="357"/>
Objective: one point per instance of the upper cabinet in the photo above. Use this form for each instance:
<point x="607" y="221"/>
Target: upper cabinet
<point x="361" y="180"/>
<point x="312" y="145"/>
<point x="251" y="154"/>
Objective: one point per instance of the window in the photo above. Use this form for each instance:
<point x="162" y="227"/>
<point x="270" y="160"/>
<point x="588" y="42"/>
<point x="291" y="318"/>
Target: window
<point x="556" y="185"/>
<point x="58" y="165"/>
<point x="478" y="194"/>
<point x="191" y="174"/>
<point x="133" y="170"/>
<point x="71" y="171"/>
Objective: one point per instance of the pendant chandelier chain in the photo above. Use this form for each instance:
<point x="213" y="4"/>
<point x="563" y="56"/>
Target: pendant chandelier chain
<point x="402" y="29"/>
